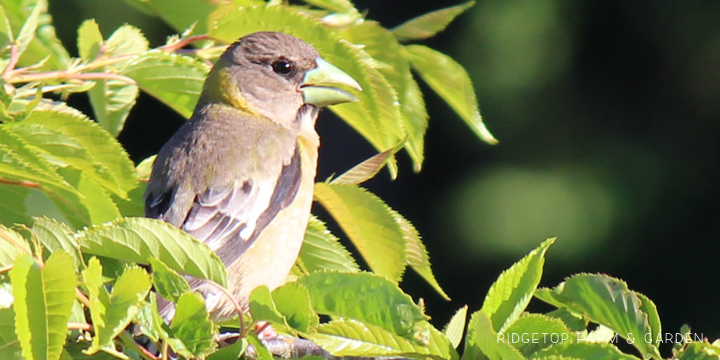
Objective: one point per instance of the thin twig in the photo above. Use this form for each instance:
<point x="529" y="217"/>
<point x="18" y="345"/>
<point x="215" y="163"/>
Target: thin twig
<point x="79" y="326"/>
<point x="65" y="75"/>
<point x="12" y="75"/>
<point x="12" y="62"/>
<point x="183" y="42"/>
<point x="82" y="298"/>
<point x="232" y="299"/>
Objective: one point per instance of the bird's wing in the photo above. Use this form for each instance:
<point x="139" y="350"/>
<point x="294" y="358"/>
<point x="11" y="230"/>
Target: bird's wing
<point x="230" y="218"/>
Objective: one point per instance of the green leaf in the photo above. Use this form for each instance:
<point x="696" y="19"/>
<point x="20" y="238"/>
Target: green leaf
<point x="150" y="322"/>
<point x="43" y="299"/>
<point x="512" y="291"/>
<point x="700" y="351"/>
<point x="89" y="40"/>
<point x="9" y="344"/>
<point x="427" y="25"/>
<point x="574" y="322"/>
<point x="174" y="79"/>
<point x="417" y="256"/>
<point x="104" y="154"/>
<point x="348" y="337"/>
<point x="367" y="169"/>
<point x="649" y="308"/>
<point x="6" y="32"/>
<point x="377" y="115"/>
<point x="341" y="6"/>
<point x="27" y="32"/>
<point x="19" y="163"/>
<point x="262" y="353"/>
<point x="384" y="47"/>
<point x="126" y="40"/>
<point x="370" y="225"/>
<point x="450" y="80"/>
<point x="365" y="297"/>
<point x="180" y="14"/>
<point x="533" y="332"/>
<point x="111" y="101"/>
<point x="167" y="282"/>
<point x="44" y="42"/>
<point x="607" y="301"/>
<point x="12" y="208"/>
<point x="56" y="236"/>
<point x="139" y="239"/>
<point x="12" y="244"/>
<point x="232" y="352"/>
<point x="321" y="250"/>
<point x="112" y="312"/>
<point x="456" y="327"/>
<point x="144" y="168"/>
<point x="584" y="350"/>
<point x="293" y="302"/>
<point x="192" y="327"/>
<point x="483" y="342"/>
<point x="262" y="308"/>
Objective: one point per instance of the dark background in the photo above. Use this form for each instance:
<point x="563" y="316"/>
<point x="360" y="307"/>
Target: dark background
<point x="608" y="117"/>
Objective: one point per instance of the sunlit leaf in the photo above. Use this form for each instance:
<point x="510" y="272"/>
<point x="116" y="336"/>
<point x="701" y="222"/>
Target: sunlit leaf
<point x="482" y="341"/>
<point x="584" y="350"/>
<point x="126" y="40"/>
<point x="416" y="254"/>
<point x="450" y="80"/>
<point x="262" y="308"/>
<point x="9" y="344"/>
<point x="370" y="225"/>
<point x="12" y="208"/>
<point x="118" y="307"/>
<point x="111" y="101"/>
<point x="347" y="337"/>
<point x="534" y="332"/>
<point x="43" y="299"/>
<point x="366" y="297"/>
<point x="341" y="6"/>
<point x="89" y="40"/>
<point x="456" y="326"/>
<point x="27" y="32"/>
<point x="180" y="14"/>
<point x="44" y="41"/>
<point x="176" y="80"/>
<point x="384" y="47"/>
<point x="607" y="301"/>
<point x="56" y="236"/>
<point x="367" y="169"/>
<point x="510" y="294"/>
<point x="100" y="150"/>
<point x="321" y="250"/>
<point x="139" y="239"/>
<point x="167" y="282"/>
<point x="293" y="301"/>
<point x="427" y="25"/>
<point x="192" y="327"/>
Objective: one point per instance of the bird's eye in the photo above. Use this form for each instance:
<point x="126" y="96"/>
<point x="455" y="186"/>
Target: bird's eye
<point x="282" y="67"/>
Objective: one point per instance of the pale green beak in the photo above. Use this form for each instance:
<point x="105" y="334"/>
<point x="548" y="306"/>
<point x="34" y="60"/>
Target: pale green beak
<point x="315" y="85"/>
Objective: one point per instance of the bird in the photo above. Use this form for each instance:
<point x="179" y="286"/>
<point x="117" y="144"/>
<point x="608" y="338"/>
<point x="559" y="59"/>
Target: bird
<point x="239" y="174"/>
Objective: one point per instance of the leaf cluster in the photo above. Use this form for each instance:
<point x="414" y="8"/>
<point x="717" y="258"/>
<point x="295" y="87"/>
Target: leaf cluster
<point x="81" y="273"/>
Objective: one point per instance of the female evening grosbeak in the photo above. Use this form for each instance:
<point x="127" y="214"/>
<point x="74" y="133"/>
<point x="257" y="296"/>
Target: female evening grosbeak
<point x="239" y="174"/>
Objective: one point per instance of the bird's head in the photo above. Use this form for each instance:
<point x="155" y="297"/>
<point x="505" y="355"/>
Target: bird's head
<point x="273" y="75"/>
